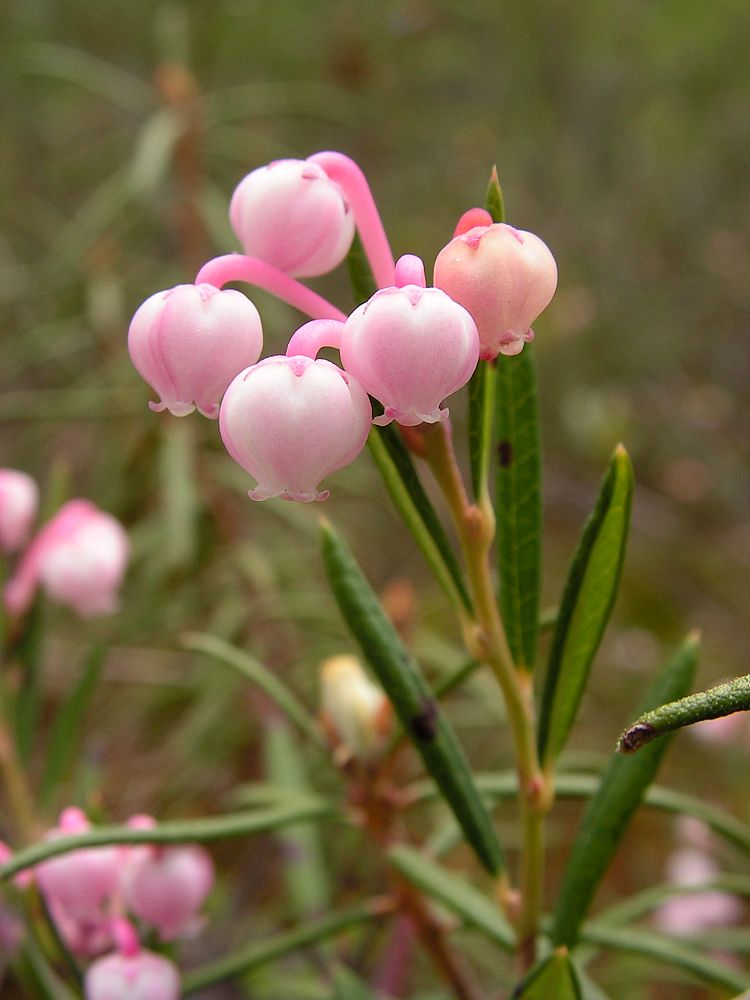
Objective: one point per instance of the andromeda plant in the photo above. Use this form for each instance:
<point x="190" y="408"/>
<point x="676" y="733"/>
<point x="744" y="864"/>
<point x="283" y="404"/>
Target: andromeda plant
<point x="291" y="421"/>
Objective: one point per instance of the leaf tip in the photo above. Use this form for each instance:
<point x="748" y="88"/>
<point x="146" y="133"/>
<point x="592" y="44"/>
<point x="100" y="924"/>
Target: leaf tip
<point x="635" y="737"/>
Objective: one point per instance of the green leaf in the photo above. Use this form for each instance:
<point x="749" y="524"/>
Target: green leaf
<point x="586" y="606"/>
<point x="304" y="871"/>
<point x="454" y="893"/>
<point x="620" y="792"/>
<point x="241" y="824"/>
<point x="37" y="970"/>
<point x="153" y="150"/>
<point x="67" y="726"/>
<point x="518" y="504"/>
<point x="648" y="944"/>
<point x="179" y="494"/>
<point x="554" y="977"/>
<point x="493" y="199"/>
<point x="481" y="418"/>
<point x="724" y="699"/>
<point x="348" y="986"/>
<point x="397" y="469"/>
<point x="360" y="275"/>
<point x="419" y="713"/>
<point x="287" y="943"/>
<point x="249" y="668"/>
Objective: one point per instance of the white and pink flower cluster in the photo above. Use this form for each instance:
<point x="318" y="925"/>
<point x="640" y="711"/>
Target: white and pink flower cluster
<point x="290" y="420"/>
<point x="78" y="557"/>
<point x="103" y="899"/>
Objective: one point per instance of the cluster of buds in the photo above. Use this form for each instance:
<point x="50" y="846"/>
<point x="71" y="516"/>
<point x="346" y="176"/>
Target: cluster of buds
<point x="78" y="558"/>
<point x="98" y="896"/>
<point x="290" y="420"/>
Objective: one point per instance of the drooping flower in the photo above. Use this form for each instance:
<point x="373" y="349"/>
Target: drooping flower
<point x="504" y="277"/>
<point x="410" y="347"/>
<point x="292" y="215"/>
<point x="79" y="558"/>
<point x="189" y="342"/>
<point x="167" y="886"/>
<point x="291" y="421"/>
<point x="19" y="500"/>
<point x="132" y="972"/>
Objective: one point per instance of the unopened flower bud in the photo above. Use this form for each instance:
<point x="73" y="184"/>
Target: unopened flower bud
<point x="356" y="709"/>
<point x="292" y="421"/>
<point x="79" y="558"/>
<point x="169" y="886"/>
<point x="504" y="277"/>
<point x="82" y="882"/>
<point x="139" y="976"/>
<point x="410" y="347"/>
<point x="189" y="342"/>
<point x="292" y="215"/>
<point x="19" y="500"/>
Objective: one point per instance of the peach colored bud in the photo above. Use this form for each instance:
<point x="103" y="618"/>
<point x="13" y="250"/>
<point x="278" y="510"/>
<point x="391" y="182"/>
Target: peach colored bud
<point x="189" y="342"/>
<point x="84" y="882"/>
<point x="504" y="277"/>
<point x="19" y="500"/>
<point x="355" y="708"/>
<point x="140" y="976"/>
<point x="167" y="888"/>
<point x="291" y="421"/>
<point x="292" y="215"/>
<point x="410" y="347"/>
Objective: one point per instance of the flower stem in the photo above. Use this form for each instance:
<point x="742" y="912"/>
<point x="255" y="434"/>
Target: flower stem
<point x="14" y="778"/>
<point x="486" y="640"/>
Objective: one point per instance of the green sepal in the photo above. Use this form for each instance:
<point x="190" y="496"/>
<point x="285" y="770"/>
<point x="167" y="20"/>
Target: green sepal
<point x="554" y="977"/>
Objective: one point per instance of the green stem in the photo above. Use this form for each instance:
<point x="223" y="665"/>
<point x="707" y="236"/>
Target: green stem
<point x="14" y="778"/>
<point x="486" y="640"/>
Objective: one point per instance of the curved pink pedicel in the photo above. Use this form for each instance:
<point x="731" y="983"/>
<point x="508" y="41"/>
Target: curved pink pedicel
<point x="352" y="181"/>
<point x="311" y="338"/>
<point x="239" y="267"/>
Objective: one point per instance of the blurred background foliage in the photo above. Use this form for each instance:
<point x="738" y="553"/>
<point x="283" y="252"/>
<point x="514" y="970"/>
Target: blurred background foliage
<point x="620" y="131"/>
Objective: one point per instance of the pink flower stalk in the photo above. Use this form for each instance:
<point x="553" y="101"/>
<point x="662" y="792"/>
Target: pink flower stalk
<point x="410" y="347"/>
<point x="239" y="267"/>
<point x="291" y="421"/>
<point x="131" y="973"/>
<point x="292" y="215"/>
<point x="167" y="888"/>
<point x="19" y="501"/>
<point x="189" y="342"/>
<point x="83" y="883"/>
<point x="347" y="174"/>
<point x="79" y="558"/>
<point x="504" y="277"/>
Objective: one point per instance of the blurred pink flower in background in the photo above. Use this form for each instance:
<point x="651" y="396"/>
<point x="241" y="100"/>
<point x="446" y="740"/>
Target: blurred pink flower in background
<point x="19" y="502"/>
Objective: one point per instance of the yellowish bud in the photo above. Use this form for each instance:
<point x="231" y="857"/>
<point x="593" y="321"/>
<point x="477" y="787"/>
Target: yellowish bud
<point x="355" y="708"/>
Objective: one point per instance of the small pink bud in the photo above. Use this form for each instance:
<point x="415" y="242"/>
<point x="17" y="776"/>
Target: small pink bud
<point x="140" y="976"/>
<point x="504" y="277"/>
<point x="79" y="557"/>
<point x="292" y="215"/>
<point x="410" y="347"/>
<point x="84" y="882"/>
<point x="189" y="342"/>
<point x="693" y="913"/>
<point x="19" y="500"/>
<point x="168" y="888"/>
<point x="292" y="421"/>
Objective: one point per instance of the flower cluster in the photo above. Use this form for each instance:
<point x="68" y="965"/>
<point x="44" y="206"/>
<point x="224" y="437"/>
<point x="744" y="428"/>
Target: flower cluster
<point x="290" y="420"/>
<point x="102" y="898"/>
<point x="78" y="557"/>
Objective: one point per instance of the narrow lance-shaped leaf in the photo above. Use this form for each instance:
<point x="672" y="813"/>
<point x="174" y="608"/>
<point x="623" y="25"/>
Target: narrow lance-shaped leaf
<point x="586" y="605"/>
<point x="724" y="699"/>
<point x="360" y="276"/>
<point x="454" y="893"/>
<point x="620" y="792"/>
<point x="412" y="699"/>
<point x="554" y="977"/>
<point x="518" y="504"/>
<point x="482" y="384"/>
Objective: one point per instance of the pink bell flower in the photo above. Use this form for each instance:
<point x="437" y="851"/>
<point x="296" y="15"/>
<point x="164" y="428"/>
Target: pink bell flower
<point x="189" y="342"/>
<point x="410" y="347"/>
<point x="132" y="972"/>
<point x="504" y="277"/>
<point x="19" y="501"/>
<point x="291" y="421"/>
<point x="84" y="883"/>
<point x="693" y="913"/>
<point x="292" y="215"/>
<point x="79" y="558"/>
<point x="168" y="887"/>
